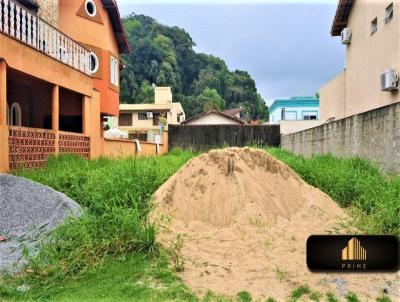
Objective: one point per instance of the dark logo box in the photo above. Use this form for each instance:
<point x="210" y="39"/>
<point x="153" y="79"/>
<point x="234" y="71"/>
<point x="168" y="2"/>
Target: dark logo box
<point x="354" y="253"/>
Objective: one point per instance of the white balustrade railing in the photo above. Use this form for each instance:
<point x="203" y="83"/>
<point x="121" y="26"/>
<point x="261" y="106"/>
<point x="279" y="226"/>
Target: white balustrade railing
<point x="24" y="25"/>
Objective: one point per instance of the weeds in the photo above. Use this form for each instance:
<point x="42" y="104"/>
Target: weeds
<point x="331" y="298"/>
<point x="244" y="297"/>
<point x="115" y="195"/>
<point x="355" y="183"/>
<point x="299" y="292"/>
<point x="175" y="254"/>
<point x="282" y="274"/>
<point x="351" y="297"/>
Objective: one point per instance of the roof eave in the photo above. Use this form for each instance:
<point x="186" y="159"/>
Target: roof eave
<point x="118" y="28"/>
<point x="341" y="16"/>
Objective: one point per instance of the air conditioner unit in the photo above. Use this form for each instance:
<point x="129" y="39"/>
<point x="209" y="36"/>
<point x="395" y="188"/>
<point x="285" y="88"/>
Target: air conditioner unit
<point x="346" y="36"/>
<point x="389" y="80"/>
<point x="149" y="114"/>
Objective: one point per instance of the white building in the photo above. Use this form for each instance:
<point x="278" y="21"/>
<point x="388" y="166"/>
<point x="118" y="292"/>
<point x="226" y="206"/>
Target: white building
<point x="295" y="114"/>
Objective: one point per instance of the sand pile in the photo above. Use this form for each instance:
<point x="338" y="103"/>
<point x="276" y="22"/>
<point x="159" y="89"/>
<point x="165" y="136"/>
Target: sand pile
<point x="244" y="218"/>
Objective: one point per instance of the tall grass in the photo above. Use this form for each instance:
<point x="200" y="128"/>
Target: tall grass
<point x="115" y="198"/>
<point x="355" y="183"/>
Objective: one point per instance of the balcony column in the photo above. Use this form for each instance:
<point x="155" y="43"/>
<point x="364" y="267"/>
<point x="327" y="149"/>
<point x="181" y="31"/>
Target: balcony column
<point x="55" y="113"/>
<point x="4" y="160"/>
<point x="86" y="112"/>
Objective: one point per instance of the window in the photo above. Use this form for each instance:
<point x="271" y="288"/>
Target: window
<point x="290" y="115"/>
<point x="114" y="71"/>
<point x="310" y="117"/>
<point x="125" y="119"/>
<point x="93" y="63"/>
<point x="283" y="114"/>
<point x="389" y="13"/>
<point x="374" y="26"/>
<point x="90" y="8"/>
<point x="142" y="116"/>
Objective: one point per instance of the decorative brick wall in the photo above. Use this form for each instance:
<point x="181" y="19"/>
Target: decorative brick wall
<point x="74" y="144"/>
<point x="29" y="147"/>
<point x="373" y="135"/>
<point x="49" y="11"/>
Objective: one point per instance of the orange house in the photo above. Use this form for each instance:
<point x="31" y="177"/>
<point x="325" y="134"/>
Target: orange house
<point x="59" y="75"/>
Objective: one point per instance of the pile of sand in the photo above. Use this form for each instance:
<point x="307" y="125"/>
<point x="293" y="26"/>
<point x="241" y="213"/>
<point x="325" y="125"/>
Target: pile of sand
<point x="245" y="218"/>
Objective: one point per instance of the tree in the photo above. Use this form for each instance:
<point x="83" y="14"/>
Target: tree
<point x="211" y="100"/>
<point x="164" y="55"/>
<point x="146" y="93"/>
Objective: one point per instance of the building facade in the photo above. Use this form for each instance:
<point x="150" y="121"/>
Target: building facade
<point x="294" y="109"/>
<point x="59" y="76"/>
<point x="371" y="34"/>
<point x="143" y="121"/>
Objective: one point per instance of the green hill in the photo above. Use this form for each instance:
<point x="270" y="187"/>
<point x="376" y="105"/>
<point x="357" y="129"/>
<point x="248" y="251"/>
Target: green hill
<point x="164" y="55"/>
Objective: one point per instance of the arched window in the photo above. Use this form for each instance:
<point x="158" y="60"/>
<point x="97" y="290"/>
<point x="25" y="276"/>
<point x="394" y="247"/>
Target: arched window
<point x="15" y="115"/>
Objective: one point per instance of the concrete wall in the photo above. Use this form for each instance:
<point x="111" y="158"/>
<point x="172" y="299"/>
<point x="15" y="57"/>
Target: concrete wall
<point x="333" y="98"/>
<point x="367" y="57"/>
<point x="373" y="135"/>
<point x="162" y="95"/>
<point x="295" y="126"/>
<point x="124" y="148"/>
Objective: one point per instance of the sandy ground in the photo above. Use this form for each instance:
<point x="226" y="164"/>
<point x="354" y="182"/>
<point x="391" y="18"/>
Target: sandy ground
<point x="244" y="218"/>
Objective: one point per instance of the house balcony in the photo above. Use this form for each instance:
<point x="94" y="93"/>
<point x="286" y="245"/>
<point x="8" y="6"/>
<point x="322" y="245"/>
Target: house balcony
<point x="24" y="26"/>
<point x="39" y="119"/>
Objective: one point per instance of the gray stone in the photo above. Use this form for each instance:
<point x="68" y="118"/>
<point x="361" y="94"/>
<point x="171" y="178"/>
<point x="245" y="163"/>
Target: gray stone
<point x="28" y="211"/>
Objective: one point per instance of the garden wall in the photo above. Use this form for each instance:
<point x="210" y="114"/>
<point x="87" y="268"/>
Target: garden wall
<point x="126" y="148"/>
<point x="373" y="135"/>
<point x="203" y="137"/>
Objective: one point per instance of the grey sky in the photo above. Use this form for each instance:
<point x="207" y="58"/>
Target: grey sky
<point x="287" y="48"/>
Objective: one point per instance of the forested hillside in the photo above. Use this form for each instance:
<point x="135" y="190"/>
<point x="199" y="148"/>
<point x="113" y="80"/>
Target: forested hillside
<point x="164" y="55"/>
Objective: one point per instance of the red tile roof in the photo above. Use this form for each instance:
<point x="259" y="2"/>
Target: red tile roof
<point x="233" y="111"/>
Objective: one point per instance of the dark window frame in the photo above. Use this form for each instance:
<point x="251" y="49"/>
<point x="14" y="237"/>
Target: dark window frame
<point x="127" y="122"/>
<point x="142" y="116"/>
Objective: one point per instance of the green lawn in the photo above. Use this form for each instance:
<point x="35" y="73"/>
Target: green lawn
<point x="110" y="254"/>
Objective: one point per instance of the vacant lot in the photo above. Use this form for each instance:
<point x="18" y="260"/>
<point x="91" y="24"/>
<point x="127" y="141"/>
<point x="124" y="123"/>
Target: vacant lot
<point x="110" y="253"/>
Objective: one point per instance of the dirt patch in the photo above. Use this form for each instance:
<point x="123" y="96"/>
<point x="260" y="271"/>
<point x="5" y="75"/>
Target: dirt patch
<point x="244" y="218"/>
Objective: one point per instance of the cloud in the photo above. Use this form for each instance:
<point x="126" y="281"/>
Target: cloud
<point x="287" y="49"/>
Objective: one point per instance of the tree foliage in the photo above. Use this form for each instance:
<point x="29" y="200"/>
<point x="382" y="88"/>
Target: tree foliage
<point x="164" y="55"/>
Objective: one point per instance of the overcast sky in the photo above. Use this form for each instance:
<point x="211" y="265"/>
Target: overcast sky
<point x="285" y="45"/>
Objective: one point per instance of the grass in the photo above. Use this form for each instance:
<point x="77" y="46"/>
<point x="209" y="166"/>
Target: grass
<point x="135" y="278"/>
<point x="354" y="183"/>
<point x="115" y="195"/>
<point x="110" y="252"/>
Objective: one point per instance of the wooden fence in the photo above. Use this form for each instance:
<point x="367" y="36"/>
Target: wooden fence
<point x="204" y="137"/>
